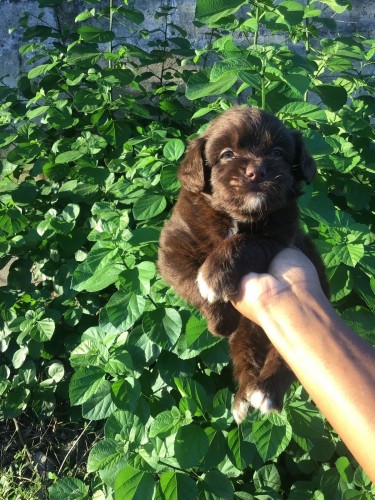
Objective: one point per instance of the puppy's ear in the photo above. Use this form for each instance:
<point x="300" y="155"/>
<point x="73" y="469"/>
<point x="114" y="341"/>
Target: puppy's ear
<point x="192" y="169"/>
<point x="304" y="167"/>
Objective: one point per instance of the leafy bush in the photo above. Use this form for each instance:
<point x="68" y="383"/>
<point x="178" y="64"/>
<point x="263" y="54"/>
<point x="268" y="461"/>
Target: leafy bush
<point x="93" y="134"/>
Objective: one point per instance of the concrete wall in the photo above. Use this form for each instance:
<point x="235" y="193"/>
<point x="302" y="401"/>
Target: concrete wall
<point x="361" y="19"/>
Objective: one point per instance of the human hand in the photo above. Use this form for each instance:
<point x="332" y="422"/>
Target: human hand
<point x="290" y="277"/>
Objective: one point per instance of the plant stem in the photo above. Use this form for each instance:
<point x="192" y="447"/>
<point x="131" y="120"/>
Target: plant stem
<point x="257" y="18"/>
<point x="110" y="46"/>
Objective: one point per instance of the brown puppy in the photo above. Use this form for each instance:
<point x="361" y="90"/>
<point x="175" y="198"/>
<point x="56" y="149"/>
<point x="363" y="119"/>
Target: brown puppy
<point x="236" y="210"/>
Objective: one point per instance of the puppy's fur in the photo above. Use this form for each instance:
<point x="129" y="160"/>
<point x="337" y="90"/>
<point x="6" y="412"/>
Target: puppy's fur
<point x="236" y="210"/>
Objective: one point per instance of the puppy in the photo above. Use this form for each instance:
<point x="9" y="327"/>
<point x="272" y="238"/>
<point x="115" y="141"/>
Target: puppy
<point x="236" y="210"/>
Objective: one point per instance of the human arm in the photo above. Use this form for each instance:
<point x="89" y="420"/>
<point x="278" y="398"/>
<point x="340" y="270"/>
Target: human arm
<point x="334" y="364"/>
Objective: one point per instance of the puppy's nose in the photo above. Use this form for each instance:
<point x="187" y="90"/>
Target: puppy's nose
<point x="256" y="173"/>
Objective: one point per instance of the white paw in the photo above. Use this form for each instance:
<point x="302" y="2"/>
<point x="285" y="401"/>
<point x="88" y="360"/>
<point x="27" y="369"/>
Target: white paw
<point x="205" y="291"/>
<point x="261" y="402"/>
<point x="240" y="411"/>
<point x="257" y="400"/>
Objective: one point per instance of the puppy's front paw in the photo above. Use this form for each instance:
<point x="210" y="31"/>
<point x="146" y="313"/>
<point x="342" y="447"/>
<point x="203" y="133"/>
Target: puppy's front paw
<point x="252" y="398"/>
<point x="205" y="290"/>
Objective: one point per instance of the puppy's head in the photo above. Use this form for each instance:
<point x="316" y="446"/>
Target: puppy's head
<point x="248" y="162"/>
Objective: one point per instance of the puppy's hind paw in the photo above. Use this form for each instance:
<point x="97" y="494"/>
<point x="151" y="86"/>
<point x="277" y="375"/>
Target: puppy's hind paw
<point x="256" y="399"/>
<point x="205" y="291"/>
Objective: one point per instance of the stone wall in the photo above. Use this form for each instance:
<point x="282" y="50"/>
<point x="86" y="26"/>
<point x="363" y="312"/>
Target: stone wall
<point x="361" y="19"/>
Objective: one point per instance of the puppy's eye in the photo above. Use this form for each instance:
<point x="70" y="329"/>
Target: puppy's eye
<point x="227" y="154"/>
<point x="277" y="152"/>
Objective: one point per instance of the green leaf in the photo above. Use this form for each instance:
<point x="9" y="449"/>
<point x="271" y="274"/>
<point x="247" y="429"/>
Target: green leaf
<point x="133" y="484"/>
<point x="125" y="426"/>
<point x="199" y="85"/>
<point x="338" y="5"/>
<point x="267" y="477"/>
<point x="210" y="11"/>
<point x="345" y="469"/>
<point x="84" y="383"/>
<point x="89" y="352"/>
<point x="41" y="70"/>
<point x="190" y="446"/>
<point x="42" y="330"/>
<point x="20" y="356"/>
<point x="149" y="206"/>
<point x="302" y="111"/>
<point x="33" y="113"/>
<point x="197" y="337"/>
<point x="349" y="255"/>
<point x="126" y="393"/>
<point x="92" y="34"/>
<point x="194" y="390"/>
<point x="116" y="132"/>
<point x="100" y="404"/>
<point x="332" y="96"/>
<point x="215" y="486"/>
<point x="240" y="452"/>
<point x="270" y="440"/>
<point x="176" y="486"/>
<point x="174" y="149"/>
<point x="305" y="419"/>
<point x="69" y="488"/>
<point x="100" y="269"/>
<point x="234" y="65"/>
<point x="68" y="156"/>
<point x="166" y="423"/>
<point x="122" y="311"/>
<point x="163" y="327"/>
<point x="104" y="455"/>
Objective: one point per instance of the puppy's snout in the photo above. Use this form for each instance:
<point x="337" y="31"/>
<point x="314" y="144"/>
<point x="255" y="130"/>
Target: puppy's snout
<point x="256" y="173"/>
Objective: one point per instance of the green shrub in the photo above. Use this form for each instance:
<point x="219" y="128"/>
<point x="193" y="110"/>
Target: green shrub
<point x="92" y="137"/>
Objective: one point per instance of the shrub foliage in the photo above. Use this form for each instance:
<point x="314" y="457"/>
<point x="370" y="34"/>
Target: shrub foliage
<point x="92" y="136"/>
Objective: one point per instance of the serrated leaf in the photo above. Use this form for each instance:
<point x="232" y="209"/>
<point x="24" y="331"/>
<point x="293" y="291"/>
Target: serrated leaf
<point x="42" y="69"/>
<point x="149" y="206"/>
<point x="166" y="422"/>
<point x="126" y="393"/>
<point x="84" y="383"/>
<point x="125" y="426"/>
<point x="194" y="390"/>
<point x="104" y="455"/>
<point x="89" y="353"/>
<point x="96" y="35"/>
<point x="100" y="269"/>
<point x="210" y="11"/>
<point x="163" y="326"/>
<point x="267" y="477"/>
<point x="349" y="255"/>
<point x="215" y="486"/>
<point x="199" y="85"/>
<point x="69" y="488"/>
<point x="68" y="156"/>
<point x="42" y="330"/>
<point x="241" y="452"/>
<point x="190" y="446"/>
<point x="100" y="404"/>
<point x="302" y="111"/>
<point x="133" y="484"/>
<point x="234" y="65"/>
<point x="33" y="113"/>
<point x="174" y="149"/>
<point x="122" y="311"/>
<point x="176" y="486"/>
<point x="270" y="440"/>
